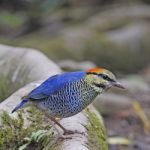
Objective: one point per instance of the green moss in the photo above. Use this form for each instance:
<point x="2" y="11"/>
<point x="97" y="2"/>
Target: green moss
<point x="11" y="20"/>
<point x="96" y="133"/>
<point x="14" y="134"/>
<point x="11" y="131"/>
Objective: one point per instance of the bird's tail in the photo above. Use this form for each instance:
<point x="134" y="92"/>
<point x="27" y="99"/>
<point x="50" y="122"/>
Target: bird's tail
<point x="20" y="105"/>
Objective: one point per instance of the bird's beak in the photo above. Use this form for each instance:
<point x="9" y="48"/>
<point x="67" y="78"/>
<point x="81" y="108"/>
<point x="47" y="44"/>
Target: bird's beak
<point x="119" y="85"/>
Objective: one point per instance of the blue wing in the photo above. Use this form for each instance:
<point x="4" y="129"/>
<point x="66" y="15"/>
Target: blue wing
<point x="54" y="83"/>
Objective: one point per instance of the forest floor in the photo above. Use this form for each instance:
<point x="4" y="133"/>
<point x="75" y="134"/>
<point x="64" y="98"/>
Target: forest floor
<point x="128" y="124"/>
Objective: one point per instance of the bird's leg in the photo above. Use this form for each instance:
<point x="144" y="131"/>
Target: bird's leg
<point x="53" y="124"/>
<point x="66" y="131"/>
<point x="61" y="137"/>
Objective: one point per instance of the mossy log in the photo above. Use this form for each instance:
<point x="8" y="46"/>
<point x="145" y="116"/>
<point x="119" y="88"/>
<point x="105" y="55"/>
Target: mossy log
<point x="28" y="65"/>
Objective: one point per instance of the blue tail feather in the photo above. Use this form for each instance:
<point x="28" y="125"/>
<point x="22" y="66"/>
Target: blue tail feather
<point x="20" y="105"/>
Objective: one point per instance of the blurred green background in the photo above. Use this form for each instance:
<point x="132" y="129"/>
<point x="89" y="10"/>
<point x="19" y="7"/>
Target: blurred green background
<point x="79" y="34"/>
<point x="110" y="33"/>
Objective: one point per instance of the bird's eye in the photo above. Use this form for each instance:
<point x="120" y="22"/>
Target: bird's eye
<point x="104" y="76"/>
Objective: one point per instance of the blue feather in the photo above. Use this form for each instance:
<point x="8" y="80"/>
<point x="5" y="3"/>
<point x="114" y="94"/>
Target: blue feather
<point x="55" y="83"/>
<point x="50" y="86"/>
<point x="20" y="105"/>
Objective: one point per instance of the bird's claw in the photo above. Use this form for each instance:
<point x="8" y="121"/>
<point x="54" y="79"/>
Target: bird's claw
<point x="68" y="132"/>
<point x="62" y="137"/>
<point x="65" y="135"/>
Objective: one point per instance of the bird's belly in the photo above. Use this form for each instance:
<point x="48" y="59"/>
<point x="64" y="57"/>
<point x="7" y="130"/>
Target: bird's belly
<point x="67" y="102"/>
<point x="62" y="107"/>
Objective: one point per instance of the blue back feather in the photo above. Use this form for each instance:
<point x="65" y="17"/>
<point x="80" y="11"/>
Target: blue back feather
<point x="54" y="83"/>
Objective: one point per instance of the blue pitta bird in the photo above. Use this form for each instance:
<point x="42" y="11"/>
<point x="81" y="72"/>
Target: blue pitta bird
<point x="67" y="94"/>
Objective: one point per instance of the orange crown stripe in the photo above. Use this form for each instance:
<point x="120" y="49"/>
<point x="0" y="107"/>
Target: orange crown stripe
<point x="96" y="70"/>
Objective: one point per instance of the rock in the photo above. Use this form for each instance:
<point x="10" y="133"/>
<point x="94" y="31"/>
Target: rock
<point x="73" y="65"/>
<point x="119" y="16"/>
<point x="112" y="103"/>
<point x="26" y="64"/>
<point x="146" y="73"/>
<point x="136" y="84"/>
<point x="113" y="34"/>
<point x="130" y="35"/>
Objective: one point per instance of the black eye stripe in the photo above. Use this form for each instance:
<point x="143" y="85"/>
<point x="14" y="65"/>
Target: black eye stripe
<point x="104" y="76"/>
<point x="92" y="73"/>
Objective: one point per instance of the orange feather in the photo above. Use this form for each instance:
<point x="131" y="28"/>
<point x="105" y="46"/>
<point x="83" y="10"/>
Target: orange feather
<point x="96" y="70"/>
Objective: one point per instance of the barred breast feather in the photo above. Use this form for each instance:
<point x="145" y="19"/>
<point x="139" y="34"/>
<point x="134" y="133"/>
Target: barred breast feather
<point x="69" y="100"/>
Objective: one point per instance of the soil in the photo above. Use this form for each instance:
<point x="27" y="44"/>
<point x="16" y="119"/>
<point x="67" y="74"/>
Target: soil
<point x="129" y="125"/>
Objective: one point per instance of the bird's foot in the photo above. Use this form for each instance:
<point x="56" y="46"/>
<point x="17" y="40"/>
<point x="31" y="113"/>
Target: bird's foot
<point x="68" y="132"/>
<point x="63" y="137"/>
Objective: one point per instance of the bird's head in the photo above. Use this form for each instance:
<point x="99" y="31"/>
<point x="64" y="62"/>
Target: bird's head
<point x="102" y="79"/>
